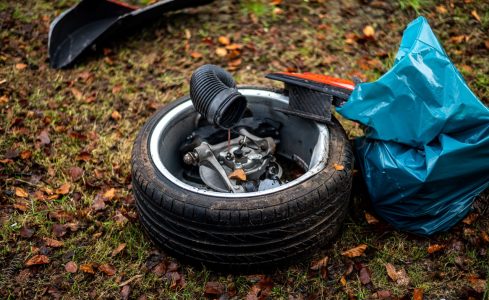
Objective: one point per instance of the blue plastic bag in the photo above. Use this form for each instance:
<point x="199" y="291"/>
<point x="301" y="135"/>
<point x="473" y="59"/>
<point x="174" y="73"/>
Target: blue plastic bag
<point x="425" y="154"/>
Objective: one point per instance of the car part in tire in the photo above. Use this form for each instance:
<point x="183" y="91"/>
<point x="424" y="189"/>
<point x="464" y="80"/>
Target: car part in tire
<point x="242" y="232"/>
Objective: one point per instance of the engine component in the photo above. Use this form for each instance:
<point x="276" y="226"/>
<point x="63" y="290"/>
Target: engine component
<point x="247" y="153"/>
<point x="214" y="95"/>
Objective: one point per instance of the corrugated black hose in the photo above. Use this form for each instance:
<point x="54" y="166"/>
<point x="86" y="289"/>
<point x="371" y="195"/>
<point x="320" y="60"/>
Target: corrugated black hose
<point x="215" y="96"/>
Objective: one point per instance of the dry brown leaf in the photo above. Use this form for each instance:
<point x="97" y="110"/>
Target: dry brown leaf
<point x="391" y="271"/>
<point x="214" y="288"/>
<point x="196" y="54"/>
<point x="63" y="189"/>
<point x="479" y="285"/>
<point x="365" y="276"/>
<point x="71" y="267"/>
<point x="26" y="154"/>
<point x="26" y="232"/>
<point x="435" y="248"/>
<point x="37" y="260"/>
<point x="115" y="115"/>
<point x="77" y="94"/>
<point x="371" y="219"/>
<point x="20" y="192"/>
<point x="234" y="47"/>
<point x="355" y="252"/>
<point x="3" y="99"/>
<point x="109" y="194"/>
<point x="485" y="236"/>
<point x="22" y="206"/>
<point x="20" y="66"/>
<point x="338" y="167"/>
<point x="53" y="243"/>
<point x="402" y="278"/>
<point x="238" y="174"/>
<point x="441" y="9"/>
<point x="343" y="280"/>
<point x="118" y="249"/>
<point x="59" y="230"/>
<point x="221" y="52"/>
<point x="125" y="291"/>
<point x="276" y="2"/>
<point x="224" y="40"/>
<point x="418" y="294"/>
<point x="107" y="269"/>
<point x="369" y="31"/>
<point x="476" y="15"/>
<point x="486" y="43"/>
<point x="43" y="137"/>
<point x="87" y="268"/>
<point x="470" y="218"/>
<point x="318" y="264"/>
<point x="75" y="173"/>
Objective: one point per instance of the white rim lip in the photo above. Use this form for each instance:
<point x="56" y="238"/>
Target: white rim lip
<point x="321" y="148"/>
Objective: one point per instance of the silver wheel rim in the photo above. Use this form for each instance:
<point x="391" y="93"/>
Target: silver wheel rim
<point x="317" y="163"/>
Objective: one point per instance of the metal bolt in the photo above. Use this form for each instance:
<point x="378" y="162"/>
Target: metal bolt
<point x="190" y="158"/>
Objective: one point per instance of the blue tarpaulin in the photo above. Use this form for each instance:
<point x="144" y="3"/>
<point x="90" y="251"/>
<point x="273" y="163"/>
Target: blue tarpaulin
<point x="425" y="153"/>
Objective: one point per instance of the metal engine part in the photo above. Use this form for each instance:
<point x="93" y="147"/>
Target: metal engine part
<point x="243" y="164"/>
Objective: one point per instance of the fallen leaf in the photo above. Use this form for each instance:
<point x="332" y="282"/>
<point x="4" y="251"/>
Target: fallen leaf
<point x="20" y="66"/>
<point x="485" y="236"/>
<point x="196" y="54"/>
<point x="221" y="52"/>
<point x="261" y="290"/>
<point x="343" y="280"/>
<point x="321" y="263"/>
<point x="76" y="173"/>
<point x="486" y="43"/>
<point x="365" y="275"/>
<point x="371" y="219"/>
<point x="26" y="232"/>
<point x="4" y="99"/>
<point x="338" y="167"/>
<point x="87" y="268"/>
<point x="159" y="269"/>
<point x="84" y="156"/>
<point x="214" y="289"/>
<point x="458" y="39"/>
<point x="109" y="270"/>
<point x="479" y="285"/>
<point x="98" y="203"/>
<point x="37" y="260"/>
<point x="63" y="189"/>
<point x="115" y="115"/>
<point x="20" y="192"/>
<point x="77" y="94"/>
<point x="71" y="267"/>
<point x="238" y="174"/>
<point x="435" y="248"/>
<point x="224" y="40"/>
<point x="234" y="47"/>
<point x="53" y="243"/>
<point x="476" y="15"/>
<point x="418" y="294"/>
<point x="118" y="249"/>
<point x="391" y="271"/>
<point x="441" y="9"/>
<point x="125" y="292"/>
<point x="43" y="137"/>
<point x="22" y="206"/>
<point x="26" y="154"/>
<point x="355" y="252"/>
<point x="59" y="230"/>
<point x="382" y="295"/>
<point x="109" y="194"/>
<point x="369" y="31"/>
<point x="470" y="218"/>
<point x="402" y="278"/>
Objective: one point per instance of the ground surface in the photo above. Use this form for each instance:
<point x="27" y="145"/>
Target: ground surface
<point x="68" y="222"/>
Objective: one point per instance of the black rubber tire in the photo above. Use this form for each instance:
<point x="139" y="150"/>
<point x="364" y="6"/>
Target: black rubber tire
<point x="242" y="235"/>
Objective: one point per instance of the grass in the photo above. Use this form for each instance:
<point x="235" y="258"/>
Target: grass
<point x="150" y="69"/>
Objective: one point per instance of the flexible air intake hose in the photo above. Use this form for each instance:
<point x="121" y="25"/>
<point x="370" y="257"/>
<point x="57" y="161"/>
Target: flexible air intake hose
<point x="215" y="96"/>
